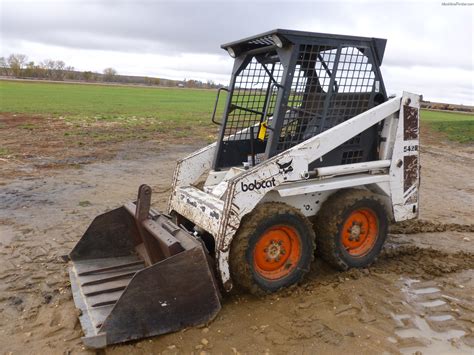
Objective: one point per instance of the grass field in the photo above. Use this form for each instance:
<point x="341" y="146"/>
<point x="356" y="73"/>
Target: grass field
<point x="167" y="107"/>
<point x="115" y="103"/>
<point x="457" y="126"/>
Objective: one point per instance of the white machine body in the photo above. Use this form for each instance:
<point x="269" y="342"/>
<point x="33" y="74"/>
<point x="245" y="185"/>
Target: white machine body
<point x="228" y="195"/>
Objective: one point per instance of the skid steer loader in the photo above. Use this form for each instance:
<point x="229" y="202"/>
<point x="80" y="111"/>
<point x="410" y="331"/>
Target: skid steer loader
<point x="311" y="154"/>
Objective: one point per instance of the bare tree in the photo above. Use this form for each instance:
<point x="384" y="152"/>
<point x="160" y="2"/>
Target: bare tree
<point x="210" y="84"/>
<point x="30" y="70"/>
<point x="3" y="66"/>
<point x="59" y="67"/>
<point x="17" y="63"/>
<point x="109" y="74"/>
<point x="48" y="66"/>
<point x="70" y="74"/>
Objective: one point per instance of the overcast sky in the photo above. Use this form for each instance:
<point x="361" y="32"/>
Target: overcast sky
<point x="429" y="49"/>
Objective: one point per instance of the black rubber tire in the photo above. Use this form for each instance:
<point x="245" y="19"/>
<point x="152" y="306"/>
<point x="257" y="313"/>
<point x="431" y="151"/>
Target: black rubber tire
<point x="252" y="227"/>
<point x="330" y="220"/>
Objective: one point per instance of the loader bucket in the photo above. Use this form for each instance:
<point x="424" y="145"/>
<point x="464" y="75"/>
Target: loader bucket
<point x="135" y="274"/>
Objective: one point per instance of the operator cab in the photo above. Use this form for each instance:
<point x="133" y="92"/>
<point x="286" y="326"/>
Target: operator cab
<point x="288" y="86"/>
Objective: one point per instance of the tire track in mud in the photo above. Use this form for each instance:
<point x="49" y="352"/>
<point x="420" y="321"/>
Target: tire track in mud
<point x="431" y="318"/>
<point x="434" y="321"/>
<point x="436" y="315"/>
<point x="415" y="226"/>
<point x="417" y="262"/>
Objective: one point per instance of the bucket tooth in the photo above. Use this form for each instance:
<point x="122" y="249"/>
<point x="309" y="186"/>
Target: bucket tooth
<point x="136" y="274"/>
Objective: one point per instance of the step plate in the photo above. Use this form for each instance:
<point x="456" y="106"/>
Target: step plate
<point x="199" y="207"/>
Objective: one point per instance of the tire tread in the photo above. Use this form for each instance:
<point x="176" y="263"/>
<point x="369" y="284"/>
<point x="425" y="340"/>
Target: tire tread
<point x="329" y="219"/>
<point x="240" y="269"/>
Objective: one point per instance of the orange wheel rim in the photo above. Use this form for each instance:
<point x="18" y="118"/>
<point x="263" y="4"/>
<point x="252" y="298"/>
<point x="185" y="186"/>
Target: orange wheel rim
<point x="360" y="231"/>
<point x="277" y="252"/>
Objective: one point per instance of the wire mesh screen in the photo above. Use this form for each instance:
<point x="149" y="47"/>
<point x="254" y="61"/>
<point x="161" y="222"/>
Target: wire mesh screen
<point x="329" y="86"/>
<point x="253" y="89"/>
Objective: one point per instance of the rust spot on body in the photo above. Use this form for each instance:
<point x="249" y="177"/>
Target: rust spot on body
<point x="410" y="123"/>
<point x="410" y="175"/>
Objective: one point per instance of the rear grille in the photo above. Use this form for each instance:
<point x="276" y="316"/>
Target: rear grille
<point x="352" y="156"/>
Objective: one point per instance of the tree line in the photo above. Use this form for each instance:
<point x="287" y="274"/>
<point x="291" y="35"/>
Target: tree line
<point x="18" y="66"/>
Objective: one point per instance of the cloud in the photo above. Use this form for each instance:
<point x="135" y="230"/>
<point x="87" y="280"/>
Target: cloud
<point x="426" y="41"/>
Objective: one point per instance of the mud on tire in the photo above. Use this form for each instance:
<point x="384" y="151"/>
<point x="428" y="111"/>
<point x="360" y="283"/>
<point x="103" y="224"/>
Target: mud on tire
<point x="351" y="228"/>
<point x="273" y="249"/>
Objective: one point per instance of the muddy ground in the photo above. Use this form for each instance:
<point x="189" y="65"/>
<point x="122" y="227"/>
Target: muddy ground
<point x="418" y="296"/>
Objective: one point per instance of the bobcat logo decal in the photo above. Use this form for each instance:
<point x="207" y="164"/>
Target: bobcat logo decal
<point x="285" y="167"/>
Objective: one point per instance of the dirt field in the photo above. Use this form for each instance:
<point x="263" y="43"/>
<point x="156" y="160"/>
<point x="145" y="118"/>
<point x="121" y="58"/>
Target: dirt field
<point x="419" y="295"/>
